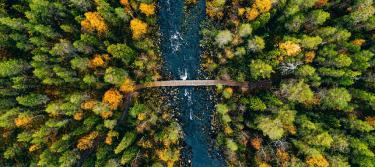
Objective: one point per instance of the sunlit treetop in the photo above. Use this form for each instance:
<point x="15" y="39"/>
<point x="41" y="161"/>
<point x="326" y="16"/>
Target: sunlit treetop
<point x="127" y="86"/>
<point x="258" y="7"/>
<point x="138" y="27"/>
<point x="147" y="9"/>
<point x="94" y="21"/>
<point x="113" y="98"/>
<point x="290" y="48"/>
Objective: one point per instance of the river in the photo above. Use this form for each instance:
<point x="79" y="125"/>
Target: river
<point x="179" y="28"/>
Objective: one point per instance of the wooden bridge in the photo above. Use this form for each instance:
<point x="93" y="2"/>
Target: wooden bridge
<point x="181" y="83"/>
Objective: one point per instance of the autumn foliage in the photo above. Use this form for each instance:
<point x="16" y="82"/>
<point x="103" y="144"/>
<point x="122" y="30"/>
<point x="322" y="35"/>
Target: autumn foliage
<point x="258" y="7"/>
<point x="147" y="9"/>
<point x="87" y="141"/>
<point x="23" y="121"/>
<point x="113" y="98"/>
<point x="290" y="48"/>
<point x="89" y="104"/>
<point x="138" y="27"/>
<point x="317" y="161"/>
<point x="94" y="21"/>
<point x="128" y="86"/>
<point x="97" y="61"/>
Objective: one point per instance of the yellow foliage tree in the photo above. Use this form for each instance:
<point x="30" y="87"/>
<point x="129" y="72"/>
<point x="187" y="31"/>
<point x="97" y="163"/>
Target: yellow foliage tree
<point x="263" y="5"/>
<point x="214" y="11"/>
<point x="97" y="61"/>
<point x="94" y="21"/>
<point x="252" y="14"/>
<point x="290" y="48"/>
<point x="34" y="147"/>
<point x="78" y="116"/>
<point x="258" y="7"/>
<point x="23" y="121"/>
<point x="309" y="56"/>
<point x="168" y="155"/>
<point x="89" y="104"/>
<point x="106" y="114"/>
<point x="110" y="135"/>
<point x="138" y="27"/>
<point x="317" y="161"/>
<point x="264" y="165"/>
<point x="147" y="9"/>
<point x="358" y="42"/>
<point x="128" y="86"/>
<point x="241" y="11"/>
<point x="87" y="141"/>
<point x="113" y="98"/>
<point x="371" y="120"/>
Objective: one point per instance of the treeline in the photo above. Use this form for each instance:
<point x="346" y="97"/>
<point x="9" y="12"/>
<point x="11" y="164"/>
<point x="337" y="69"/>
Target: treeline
<point x="67" y="71"/>
<point x="320" y="55"/>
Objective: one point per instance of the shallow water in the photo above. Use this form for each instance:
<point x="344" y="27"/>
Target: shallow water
<point x="181" y="53"/>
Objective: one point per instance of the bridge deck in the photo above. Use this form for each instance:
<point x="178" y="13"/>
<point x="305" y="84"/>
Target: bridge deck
<point x="173" y="83"/>
<point x="181" y="83"/>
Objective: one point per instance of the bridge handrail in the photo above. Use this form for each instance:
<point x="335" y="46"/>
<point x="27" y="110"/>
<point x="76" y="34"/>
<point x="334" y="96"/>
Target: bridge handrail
<point x="178" y="83"/>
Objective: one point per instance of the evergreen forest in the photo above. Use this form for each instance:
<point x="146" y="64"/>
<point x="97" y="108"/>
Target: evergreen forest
<point x="75" y="80"/>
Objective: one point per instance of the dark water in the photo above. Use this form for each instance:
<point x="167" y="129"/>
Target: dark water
<point x="180" y="37"/>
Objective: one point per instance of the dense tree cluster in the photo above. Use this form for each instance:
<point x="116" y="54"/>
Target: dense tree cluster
<point x="67" y="72"/>
<point x="319" y="55"/>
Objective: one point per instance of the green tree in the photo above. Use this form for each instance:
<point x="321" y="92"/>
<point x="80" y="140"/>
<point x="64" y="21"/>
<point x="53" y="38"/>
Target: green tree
<point x="122" y="52"/>
<point x="297" y="91"/>
<point x="260" y="70"/>
<point x="125" y="142"/>
<point x="32" y="100"/>
<point x="336" y="99"/>
<point x="256" y="44"/>
<point x="12" y="67"/>
<point x="115" y="75"/>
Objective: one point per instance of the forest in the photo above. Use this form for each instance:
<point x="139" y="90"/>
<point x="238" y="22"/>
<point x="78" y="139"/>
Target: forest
<point x="69" y="71"/>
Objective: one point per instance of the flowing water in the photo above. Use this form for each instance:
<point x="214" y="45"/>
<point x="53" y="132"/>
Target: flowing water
<point x="180" y="37"/>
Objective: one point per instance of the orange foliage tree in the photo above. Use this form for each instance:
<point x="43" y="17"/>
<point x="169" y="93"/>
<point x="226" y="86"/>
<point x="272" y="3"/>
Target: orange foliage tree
<point x="256" y="143"/>
<point x="290" y="48"/>
<point x="124" y="2"/>
<point x="358" y="42"/>
<point x="106" y="114"/>
<point x="89" y="104"/>
<point x="34" y="147"/>
<point x="113" y="98"/>
<point x="128" y="86"/>
<point x="94" y="21"/>
<point x="110" y="135"/>
<point x="138" y="27"/>
<point x="309" y="56"/>
<point x="78" y="116"/>
<point x="23" y="121"/>
<point x="371" y="120"/>
<point x="258" y="7"/>
<point x="147" y="9"/>
<point x="317" y="161"/>
<point x="97" y="61"/>
<point x="87" y="141"/>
